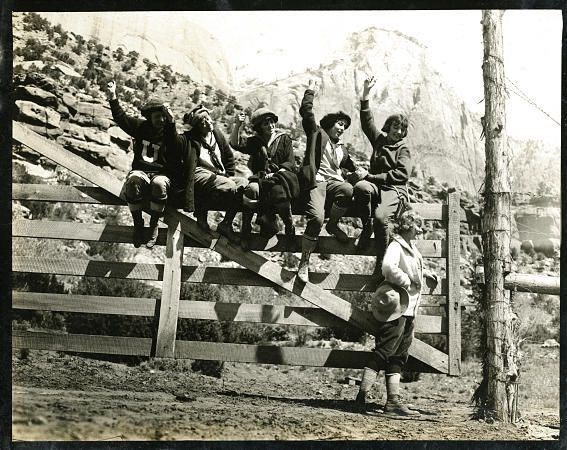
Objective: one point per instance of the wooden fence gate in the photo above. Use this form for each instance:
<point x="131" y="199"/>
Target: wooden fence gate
<point x="320" y="307"/>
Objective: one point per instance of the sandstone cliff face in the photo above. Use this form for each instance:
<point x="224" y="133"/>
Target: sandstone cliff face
<point x="444" y="135"/>
<point x="187" y="47"/>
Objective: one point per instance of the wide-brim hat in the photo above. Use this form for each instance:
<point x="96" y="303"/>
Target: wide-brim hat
<point x="262" y="114"/>
<point x="389" y="302"/>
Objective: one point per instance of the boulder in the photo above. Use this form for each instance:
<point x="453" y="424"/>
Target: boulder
<point x="70" y="102"/>
<point x="66" y="69"/>
<point x="102" y="123"/>
<point x="63" y="111"/>
<point x="41" y="80"/>
<point x="74" y="131"/>
<point x="119" y="160"/>
<point x="93" y="109"/>
<point x="550" y="343"/>
<point x="97" y="136"/>
<point x="35" y="114"/>
<point x="36" y="170"/>
<point x="119" y="137"/>
<point x="44" y="131"/>
<point x="36" y="95"/>
<point x="97" y="154"/>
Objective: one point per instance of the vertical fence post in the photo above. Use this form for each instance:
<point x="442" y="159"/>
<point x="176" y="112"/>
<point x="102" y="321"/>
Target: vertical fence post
<point x="170" y="292"/>
<point x="454" y="284"/>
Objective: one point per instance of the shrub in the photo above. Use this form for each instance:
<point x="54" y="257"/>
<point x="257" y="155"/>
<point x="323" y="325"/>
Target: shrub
<point x="32" y="50"/>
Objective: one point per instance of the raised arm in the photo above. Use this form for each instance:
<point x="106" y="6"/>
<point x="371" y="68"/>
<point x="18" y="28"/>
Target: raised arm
<point x="235" y="141"/>
<point x="306" y="109"/>
<point x="366" y="117"/>
<point x="128" y="123"/>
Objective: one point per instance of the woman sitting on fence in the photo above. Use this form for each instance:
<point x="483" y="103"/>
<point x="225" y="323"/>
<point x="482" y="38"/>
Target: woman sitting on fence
<point x="164" y="163"/>
<point x="274" y="184"/>
<point x="383" y="194"/>
<point x="394" y="305"/>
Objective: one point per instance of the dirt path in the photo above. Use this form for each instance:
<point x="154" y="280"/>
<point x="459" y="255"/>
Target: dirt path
<point x="62" y="397"/>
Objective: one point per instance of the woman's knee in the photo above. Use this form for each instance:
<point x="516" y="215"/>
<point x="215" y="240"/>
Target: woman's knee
<point x="159" y="186"/>
<point x="252" y="191"/>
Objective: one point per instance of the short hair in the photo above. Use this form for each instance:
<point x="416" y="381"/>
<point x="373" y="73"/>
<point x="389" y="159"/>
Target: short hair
<point x="407" y="220"/>
<point x="330" y="119"/>
<point x="396" y="118"/>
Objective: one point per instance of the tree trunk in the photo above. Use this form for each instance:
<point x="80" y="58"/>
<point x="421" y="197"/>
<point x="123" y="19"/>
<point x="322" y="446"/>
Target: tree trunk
<point x="500" y="320"/>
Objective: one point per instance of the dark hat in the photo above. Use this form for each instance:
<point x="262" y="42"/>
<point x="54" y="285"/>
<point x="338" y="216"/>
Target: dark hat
<point x="153" y="104"/>
<point x="330" y="119"/>
<point x="389" y="302"/>
<point x="194" y="116"/>
<point x="261" y="114"/>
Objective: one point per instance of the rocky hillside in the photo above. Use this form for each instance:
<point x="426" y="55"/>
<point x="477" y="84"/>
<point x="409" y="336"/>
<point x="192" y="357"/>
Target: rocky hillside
<point x="186" y="47"/>
<point x="444" y="135"/>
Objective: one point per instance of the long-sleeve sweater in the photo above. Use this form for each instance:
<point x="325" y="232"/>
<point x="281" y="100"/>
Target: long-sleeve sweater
<point x="390" y="164"/>
<point x="317" y="140"/>
<point x="170" y="153"/>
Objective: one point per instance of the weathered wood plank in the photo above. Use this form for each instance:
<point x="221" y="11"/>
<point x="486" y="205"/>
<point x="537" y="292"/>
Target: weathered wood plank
<point x="101" y="232"/>
<point x="92" y="304"/>
<point x="65" y="194"/>
<point x="285" y="315"/>
<point x="171" y="289"/>
<point x="529" y="282"/>
<point x="243" y="353"/>
<point x="431" y="321"/>
<point x="454" y="285"/>
<point x="96" y="195"/>
<point x="89" y="268"/>
<point x="199" y="274"/>
<point x="110" y="345"/>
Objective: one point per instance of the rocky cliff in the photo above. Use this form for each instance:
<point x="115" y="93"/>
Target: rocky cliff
<point x="186" y="47"/>
<point x="444" y="135"/>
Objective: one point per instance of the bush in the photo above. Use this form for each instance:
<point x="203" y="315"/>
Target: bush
<point x="32" y="50"/>
<point x="34" y="22"/>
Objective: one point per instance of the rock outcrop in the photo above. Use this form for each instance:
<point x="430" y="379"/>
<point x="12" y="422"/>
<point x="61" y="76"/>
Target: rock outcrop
<point x="444" y="135"/>
<point x="187" y="47"/>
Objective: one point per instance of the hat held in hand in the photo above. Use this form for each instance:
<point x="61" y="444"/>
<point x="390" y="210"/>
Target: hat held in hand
<point x="389" y="302"/>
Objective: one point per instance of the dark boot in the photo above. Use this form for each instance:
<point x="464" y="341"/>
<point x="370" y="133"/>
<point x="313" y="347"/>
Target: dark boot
<point x="246" y="228"/>
<point x="225" y="227"/>
<point x="382" y="239"/>
<point x="202" y="220"/>
<point x="138" y="233"/>
<point x="153" y="231"/>
<point x="394" y="407"/>
<point x="287" y="219"/>
<point x="364" y="238"/>
<point x="333" y="224"/>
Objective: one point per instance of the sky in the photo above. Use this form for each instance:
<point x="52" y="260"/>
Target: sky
<point x="532" y="50"/>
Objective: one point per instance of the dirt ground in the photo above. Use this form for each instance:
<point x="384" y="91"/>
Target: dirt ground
<point x="65" y="397"/>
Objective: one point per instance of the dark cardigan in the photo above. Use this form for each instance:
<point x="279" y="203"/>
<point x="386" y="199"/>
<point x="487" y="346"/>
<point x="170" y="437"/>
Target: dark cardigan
<point x="317" y="140"/>
<point x="278" y="155"/>
<point x="390" y="164"/>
